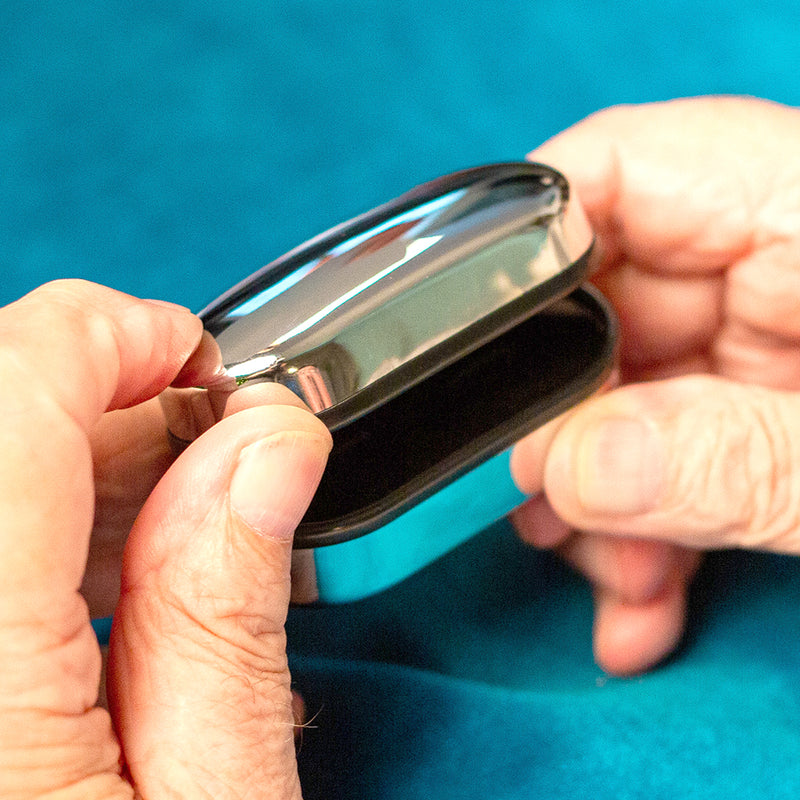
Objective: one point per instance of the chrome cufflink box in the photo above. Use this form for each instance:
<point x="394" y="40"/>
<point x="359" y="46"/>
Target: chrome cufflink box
<point x="429" y="334"/>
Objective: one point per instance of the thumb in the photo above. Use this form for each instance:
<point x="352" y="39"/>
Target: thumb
<point x="198" y="675"/>
<point x="699" y="461"/>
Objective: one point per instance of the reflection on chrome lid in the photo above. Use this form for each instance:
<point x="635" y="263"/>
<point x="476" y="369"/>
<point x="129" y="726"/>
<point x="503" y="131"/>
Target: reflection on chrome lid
<point x="371" y="307"/>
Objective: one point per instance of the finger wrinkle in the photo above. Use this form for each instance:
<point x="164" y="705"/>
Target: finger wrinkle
<point x="748" y="361"/>
<point x="215" y="639"/>
<point x="763" y="291"/>
<point x="771" y="464"/>
<point x="51" y="660"/>
<point x="44" y="755"/>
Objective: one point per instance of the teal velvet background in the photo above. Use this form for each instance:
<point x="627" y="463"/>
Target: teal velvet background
<point x="170" y="148"/>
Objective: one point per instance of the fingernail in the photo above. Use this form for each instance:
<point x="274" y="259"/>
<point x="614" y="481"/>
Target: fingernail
<point x="620" y="467"/>
<point x="204" y="366"/>
<point x="275" y="480"/>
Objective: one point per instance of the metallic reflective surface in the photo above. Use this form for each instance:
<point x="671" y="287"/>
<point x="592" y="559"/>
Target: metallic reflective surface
<point x="368" y="308"/>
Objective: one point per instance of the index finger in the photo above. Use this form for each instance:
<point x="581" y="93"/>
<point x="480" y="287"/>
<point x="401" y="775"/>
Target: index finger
<point x="69" y="351"/>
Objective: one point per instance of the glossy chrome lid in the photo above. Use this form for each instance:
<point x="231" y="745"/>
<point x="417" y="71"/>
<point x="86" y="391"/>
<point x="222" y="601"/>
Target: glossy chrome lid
<point x="371" y="307"/>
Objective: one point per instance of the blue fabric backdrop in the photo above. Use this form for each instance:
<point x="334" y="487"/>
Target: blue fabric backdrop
<point x="169" y="148"/>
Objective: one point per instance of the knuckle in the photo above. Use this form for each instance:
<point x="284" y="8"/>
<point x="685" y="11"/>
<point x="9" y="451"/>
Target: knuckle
<point x="708" y="486"/>
<point x="216" y="629"/>
<point x="771" y="468"/>
<point x="64" y="755"/>
<point x="737" y="468"/>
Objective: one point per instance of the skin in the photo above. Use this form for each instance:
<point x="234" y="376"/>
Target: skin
<point x="201" y="704"/>
<point x="696" y="205"/>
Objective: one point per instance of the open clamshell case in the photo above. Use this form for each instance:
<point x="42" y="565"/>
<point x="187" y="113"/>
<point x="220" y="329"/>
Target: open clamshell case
<point x="429" y="335"/>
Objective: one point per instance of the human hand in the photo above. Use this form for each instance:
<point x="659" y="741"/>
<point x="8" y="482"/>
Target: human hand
<point x="696" y="208"/>
<point x="198" y="676"/>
